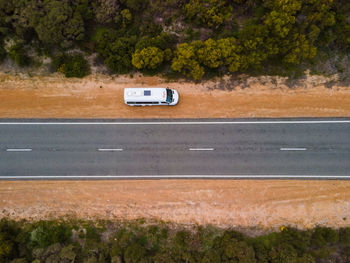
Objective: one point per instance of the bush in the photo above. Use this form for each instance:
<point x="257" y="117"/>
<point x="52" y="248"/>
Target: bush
<point x="344" y="236"/>
<point x="3" y="52"/>
<point x="135" y="253"/>
<point x="71" y="65"/>
<point x="47" y="233"/>
<point x="18" y="54"/>
<point x="148" y="58"/>
<point x="322" y="236"/>
<point x="116" y="50"/>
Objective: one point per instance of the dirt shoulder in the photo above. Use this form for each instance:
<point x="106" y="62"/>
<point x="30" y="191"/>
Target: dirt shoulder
<point x="99" y="96"/>
<point x="239" y="203"/>
<point x="265" y="204"/>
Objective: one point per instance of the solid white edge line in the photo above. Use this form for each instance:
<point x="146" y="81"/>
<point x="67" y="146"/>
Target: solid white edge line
<point x="18" y="150"/>
<point x="174" y="122"/>
<point x="293" y="149"/>
<point x="179" y="177"/>
<point x="109" y="150"/>
<point x="201" y="149"/>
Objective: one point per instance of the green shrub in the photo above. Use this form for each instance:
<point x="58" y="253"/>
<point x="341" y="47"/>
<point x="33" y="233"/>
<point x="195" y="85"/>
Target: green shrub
<point x="8" y="245"/>
<point x="49" y="232"/>
<point x="300" y="240"/>
<point x="344" y="236"/>
<point x="135" y="253"/>
<point x="18" y="54"/>
<point x="322" y="236"/>
<point x="3" y="52"/>
<point x="148" y="58"/>
<point x="71" y="65"/>
<point x="116" y="51"/>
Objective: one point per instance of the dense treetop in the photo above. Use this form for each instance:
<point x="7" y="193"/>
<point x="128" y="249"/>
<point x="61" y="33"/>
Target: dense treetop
<point x="187" y="37"/>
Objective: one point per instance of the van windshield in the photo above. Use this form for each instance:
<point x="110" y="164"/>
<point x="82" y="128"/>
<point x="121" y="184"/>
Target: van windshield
<point x="169" y="95"/>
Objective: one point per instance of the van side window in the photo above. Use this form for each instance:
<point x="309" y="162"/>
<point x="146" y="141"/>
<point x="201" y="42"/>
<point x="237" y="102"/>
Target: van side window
<point x="146" y="102"/>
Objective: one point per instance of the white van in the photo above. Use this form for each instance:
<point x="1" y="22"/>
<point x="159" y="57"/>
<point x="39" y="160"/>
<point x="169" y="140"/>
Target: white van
<point x="150" y="96"/>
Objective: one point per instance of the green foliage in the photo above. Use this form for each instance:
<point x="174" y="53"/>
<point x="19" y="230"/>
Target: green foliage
<point x="211" y="13"/>
<point x="60" y="25"/>
<point x="191" y="59"/>
<point x="161" y="41"/>
<point x="126" y="17"/>
<point x="3" y="52"/>
<point x="344" y="236"/>
<point x="71" y="65"/>
<point x="46" y="233"/>
<point x="186" y="60"/>
<point x="18" y="54"/>
<point x="136" y="5"/>
<point x="322" y="236"/>
<point x="106" y="11"/>
<point x="193" y="36"/>
<point x="282" y="16"/>
<point x="231" y="247"/>
<point x="132" y="242"/>
<point x="7" y="242"/>
<point x="147" y="58"/>
<point x="116" y="51"/>
<point x="135" y="253"/>
<point x="255" y="46"/>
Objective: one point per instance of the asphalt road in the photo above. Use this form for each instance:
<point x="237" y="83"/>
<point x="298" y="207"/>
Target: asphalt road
<point x="293" y="148"/>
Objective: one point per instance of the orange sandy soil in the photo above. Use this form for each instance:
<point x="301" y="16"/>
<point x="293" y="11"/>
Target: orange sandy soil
<point x="57" y="97"/>
<point x="262" y="204"/>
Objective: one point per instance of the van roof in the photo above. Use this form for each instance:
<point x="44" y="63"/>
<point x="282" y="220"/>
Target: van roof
<point x="144" y="94"/>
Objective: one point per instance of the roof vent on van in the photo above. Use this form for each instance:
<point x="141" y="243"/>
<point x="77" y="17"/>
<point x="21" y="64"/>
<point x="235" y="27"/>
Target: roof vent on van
<point x="134" y="93"/>
<point x="147" y="93"/>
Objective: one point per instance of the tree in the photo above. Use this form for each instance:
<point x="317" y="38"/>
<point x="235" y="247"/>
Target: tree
<point x="6" y="247"/>
<point x="230" y="50"/>
<point x="135" y="253"/>
<point x="147" y="58"/>
<point x="255" y="46"/>
<point x="116" y="51"/>
<point x="231" y="247"/>
<point x="47" y="233"/>
<point x="344" y="236"/>
<point x="210" y="54"/>
<point x="126" y="17"/>
<point x="19" y="55"/>
<point x="106" y="11"/>
<point x="186" y="60"/>
<point x="60" y="25"/>
<point x="212" y="13"/>
<point x="283" y="253"/>
<point x="119" y="55"/>
<point x="282" y="16"/>
<point x="300" y="49"/>
<point x="71" y="65"/>
<point x="322" y="236"/>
